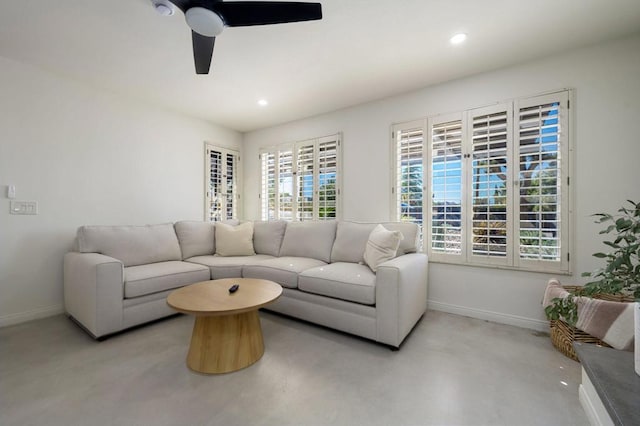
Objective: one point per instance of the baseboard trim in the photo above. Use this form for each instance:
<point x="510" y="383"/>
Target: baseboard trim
<point x="518" y="321"/>
<point x="33" y="314"/>
<point x="498" y="317"/>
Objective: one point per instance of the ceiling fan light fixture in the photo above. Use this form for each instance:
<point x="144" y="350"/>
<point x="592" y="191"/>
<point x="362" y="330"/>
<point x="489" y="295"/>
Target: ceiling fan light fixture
<point x="458" y="38"/>
<point x="204" y="21"/>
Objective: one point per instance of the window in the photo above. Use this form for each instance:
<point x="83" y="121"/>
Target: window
<point x="222" y="171"/>
<point x="300" y="181"/>
<point x="495" y="183"/>
<point x="489" y="145"/>
<point x="542" y="210"/>
<point x="446" y="185"/>
<point x="409" y="152"/>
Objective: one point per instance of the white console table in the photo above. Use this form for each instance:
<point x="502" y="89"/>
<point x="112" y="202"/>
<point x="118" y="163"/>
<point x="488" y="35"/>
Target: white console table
<point x="610" y="389"/>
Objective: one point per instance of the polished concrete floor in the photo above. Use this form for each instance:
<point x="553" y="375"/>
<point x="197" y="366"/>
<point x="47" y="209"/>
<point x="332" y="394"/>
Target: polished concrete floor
<point x="450" y="371"/>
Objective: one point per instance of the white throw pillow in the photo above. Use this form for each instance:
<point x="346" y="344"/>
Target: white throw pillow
<point x="382" y="246"/>
<point x="234" y="240"/>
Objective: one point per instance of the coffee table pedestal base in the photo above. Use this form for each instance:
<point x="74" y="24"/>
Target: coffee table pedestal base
<point x="225" y="343"/>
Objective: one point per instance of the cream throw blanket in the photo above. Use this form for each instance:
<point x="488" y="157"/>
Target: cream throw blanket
<point x="611" y="322"/>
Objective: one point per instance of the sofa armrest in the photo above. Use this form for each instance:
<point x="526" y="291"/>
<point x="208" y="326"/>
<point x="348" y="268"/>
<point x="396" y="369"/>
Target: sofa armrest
<point x="94" y="291"/>
<point x="401" y="296"/>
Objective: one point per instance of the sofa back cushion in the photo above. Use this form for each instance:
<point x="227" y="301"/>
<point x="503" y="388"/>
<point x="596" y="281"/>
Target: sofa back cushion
<point x="309" y="239"/>
<point x="132" y="245"/>
<point x="234" y="240"/>
<point x="197" y="238"/>
<point x="267" y="236"/>
<point x="351" y="240"/>
<point x="409" y="231"/>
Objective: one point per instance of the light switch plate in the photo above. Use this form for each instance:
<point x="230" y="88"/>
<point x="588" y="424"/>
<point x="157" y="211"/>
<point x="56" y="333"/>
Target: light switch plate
<point x="23" y="207"/>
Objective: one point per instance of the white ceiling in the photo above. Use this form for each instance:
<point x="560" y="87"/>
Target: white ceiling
<point x="360" y="51"/>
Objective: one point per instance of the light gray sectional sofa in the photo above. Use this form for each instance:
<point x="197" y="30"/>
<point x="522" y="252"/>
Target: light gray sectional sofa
<point x="120" y="276"/>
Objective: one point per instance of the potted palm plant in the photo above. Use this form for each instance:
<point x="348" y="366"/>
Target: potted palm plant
<point x="618" y="280"/>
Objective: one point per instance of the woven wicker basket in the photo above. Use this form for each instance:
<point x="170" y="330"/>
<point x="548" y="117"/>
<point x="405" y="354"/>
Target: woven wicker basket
<point x="563" y="335"/>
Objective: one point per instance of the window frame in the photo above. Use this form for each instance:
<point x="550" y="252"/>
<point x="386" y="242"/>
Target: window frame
<point x="512" y="260"/>
<point x="294" y="148"/>
<point x="237" y="182"/>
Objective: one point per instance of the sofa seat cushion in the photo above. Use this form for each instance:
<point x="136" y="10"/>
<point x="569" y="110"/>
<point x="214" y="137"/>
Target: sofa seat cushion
<point x="347" y="281"/>
<point x="228" y="266"/>
<point x="147" y="279"/>
<point x="283" y="270"/>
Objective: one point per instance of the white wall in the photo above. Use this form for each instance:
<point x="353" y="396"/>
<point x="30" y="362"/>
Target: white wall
<point x="607" y="119"/>
<point x="86" y="157"/>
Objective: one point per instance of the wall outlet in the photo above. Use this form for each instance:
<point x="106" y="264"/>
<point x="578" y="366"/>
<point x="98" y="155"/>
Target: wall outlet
<point x="23" y="207"/>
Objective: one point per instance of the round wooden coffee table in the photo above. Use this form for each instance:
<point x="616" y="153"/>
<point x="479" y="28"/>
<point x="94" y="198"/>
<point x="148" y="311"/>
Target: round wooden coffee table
<point x="226" y="335"/>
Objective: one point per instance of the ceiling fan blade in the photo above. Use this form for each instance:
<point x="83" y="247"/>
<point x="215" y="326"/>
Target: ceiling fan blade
<point x="202" y="52"/>
<point x="248" y="13"/>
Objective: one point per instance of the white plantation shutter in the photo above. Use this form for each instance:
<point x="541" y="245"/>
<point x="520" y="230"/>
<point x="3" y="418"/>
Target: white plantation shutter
<point x="490" y="184"/>
<point x="286" y="190"/>
<point x="222" y="173"/>
<point x="307" y="177"/>
<point x="542" y="212"/>
<point x="327" y="182"/>
<point x="446" y="171"/>
<point x="268" y="192"/>
<point x="408" y="185"/>
<point x="214" y="205"/>
<point x="230" y="186"/>
<point x="496" y="183"/>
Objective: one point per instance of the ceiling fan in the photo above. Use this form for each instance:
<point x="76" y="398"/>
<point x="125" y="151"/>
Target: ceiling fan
<point x="207" y="19"/>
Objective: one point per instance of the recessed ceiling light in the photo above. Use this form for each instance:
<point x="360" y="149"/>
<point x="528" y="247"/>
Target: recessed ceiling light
<point x="263" y="102"/>
<point x="458" y="38"/>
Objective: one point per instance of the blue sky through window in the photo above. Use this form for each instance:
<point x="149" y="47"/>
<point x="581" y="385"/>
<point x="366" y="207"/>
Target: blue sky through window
<point x="446" y="184"/>
<point x="306" y="184"/>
